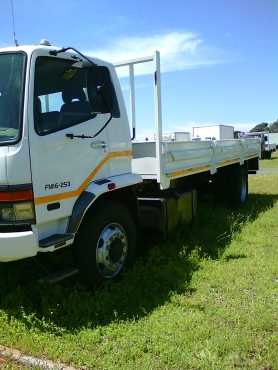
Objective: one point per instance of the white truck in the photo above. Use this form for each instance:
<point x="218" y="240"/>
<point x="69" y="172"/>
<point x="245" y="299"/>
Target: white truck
<point x="70" y="174"/>
<point x="267" y="148"/>
<point x="177" y="136"/>
<point x="213" y="132"/>
<point x="273" y="138"/>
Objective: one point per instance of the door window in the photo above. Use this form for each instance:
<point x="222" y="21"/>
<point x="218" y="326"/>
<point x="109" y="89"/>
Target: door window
<point x="12" y="76"/>
<point x="61" y="96"/>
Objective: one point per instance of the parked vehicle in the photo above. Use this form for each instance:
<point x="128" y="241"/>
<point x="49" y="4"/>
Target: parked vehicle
<point x="267" y="148"/>
<point x="214" y="132"/>
<point x="273" y="138"/>
<point x="70" y="174"/>
<point x="238" y="134"/>
<point x="177" y="136"/>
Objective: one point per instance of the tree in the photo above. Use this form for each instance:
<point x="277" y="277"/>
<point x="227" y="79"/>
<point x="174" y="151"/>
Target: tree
<point x="260" y="127"/>
<point x="274" y="126"/>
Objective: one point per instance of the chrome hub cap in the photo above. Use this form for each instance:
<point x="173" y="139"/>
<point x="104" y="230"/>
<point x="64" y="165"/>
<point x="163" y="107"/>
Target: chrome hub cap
<point x="111" y="250"/>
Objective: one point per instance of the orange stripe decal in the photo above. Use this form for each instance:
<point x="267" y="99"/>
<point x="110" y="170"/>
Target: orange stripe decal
<point x="202" y="169"/>
<point x="85" y="183"/>
<point x="253" y="156"/>
<point x="231" y="161"/>
<point x="188" y="171"/>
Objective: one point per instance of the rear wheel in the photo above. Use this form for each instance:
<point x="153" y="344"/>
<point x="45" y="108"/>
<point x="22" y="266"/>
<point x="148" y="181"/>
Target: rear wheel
<point x="232" y="184"/>
<point x="266" y="155"/>
<point x="241" y="193"/>
<point x="105" y="243"/>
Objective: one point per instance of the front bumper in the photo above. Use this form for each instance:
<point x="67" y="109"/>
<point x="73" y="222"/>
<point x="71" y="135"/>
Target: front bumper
<point x="17" y="245"/>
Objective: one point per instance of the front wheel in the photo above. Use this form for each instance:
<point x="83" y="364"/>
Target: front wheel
<point x="105" y="243"/>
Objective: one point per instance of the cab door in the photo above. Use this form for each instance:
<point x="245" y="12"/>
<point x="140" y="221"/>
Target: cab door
<point x="62" y="162"/>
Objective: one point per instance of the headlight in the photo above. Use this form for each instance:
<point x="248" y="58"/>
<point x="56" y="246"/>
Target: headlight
<point x="17" y="212"/>
<point x="7" y="213"/>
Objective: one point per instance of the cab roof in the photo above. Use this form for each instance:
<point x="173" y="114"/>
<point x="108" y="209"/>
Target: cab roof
<point x="29" y="49"/>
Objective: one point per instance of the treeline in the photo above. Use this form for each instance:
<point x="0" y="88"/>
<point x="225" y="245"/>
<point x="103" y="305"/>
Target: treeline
<point x="265" y="126"/>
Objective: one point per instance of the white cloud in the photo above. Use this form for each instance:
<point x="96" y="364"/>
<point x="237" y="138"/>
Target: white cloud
<point x="179" y="50"/>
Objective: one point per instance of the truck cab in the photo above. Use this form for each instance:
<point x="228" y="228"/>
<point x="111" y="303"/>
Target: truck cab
<point x="53" y="144"/>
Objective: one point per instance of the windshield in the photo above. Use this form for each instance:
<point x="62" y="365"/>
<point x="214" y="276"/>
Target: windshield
<point x="11" y="92"/>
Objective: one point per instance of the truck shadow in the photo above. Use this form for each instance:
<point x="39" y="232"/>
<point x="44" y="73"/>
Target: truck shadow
<point x="165" y="269"/>
<point x="216" y="225"/>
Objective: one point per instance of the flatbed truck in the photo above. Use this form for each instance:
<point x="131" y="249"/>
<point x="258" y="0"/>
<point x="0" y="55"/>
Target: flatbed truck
<point x="71" y="173"/>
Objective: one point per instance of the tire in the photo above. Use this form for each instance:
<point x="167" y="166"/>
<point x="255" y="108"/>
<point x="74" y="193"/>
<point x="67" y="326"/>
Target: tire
<point x="239" y="190"/>
<point x="266" y="155"/>
<point x="232" y="185"/>
<point x="105" y="244"/>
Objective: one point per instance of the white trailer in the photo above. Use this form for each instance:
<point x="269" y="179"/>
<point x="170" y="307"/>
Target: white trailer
<point x="177" y="136"/>
<point x="214" y="132"/>
<point x="70" y="174"/>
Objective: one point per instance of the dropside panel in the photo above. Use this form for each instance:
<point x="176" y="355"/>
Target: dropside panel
<point x="190" y="157"/>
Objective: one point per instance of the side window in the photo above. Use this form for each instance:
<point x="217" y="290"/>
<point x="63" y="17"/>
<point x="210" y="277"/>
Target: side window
<point x="61" y="98"/>
<point x="51" y="102"/>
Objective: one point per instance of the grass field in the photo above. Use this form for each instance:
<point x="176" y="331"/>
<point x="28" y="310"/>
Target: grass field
<point x="206" y="299"/>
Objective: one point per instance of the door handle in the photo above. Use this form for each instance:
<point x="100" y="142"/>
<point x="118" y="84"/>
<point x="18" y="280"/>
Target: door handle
<point x="98" y="144"/>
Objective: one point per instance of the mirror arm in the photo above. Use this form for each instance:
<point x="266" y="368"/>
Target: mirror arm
<point x="62" y="50"/>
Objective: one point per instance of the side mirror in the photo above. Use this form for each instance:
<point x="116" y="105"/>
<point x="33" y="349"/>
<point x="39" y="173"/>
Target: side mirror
<point x="101" y="91"/>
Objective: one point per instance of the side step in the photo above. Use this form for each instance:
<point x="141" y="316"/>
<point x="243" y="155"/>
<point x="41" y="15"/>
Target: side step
<point x="56" y="241"/>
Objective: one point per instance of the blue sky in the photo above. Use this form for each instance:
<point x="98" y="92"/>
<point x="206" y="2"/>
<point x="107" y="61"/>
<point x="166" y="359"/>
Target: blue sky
<point x="219" y="57"/>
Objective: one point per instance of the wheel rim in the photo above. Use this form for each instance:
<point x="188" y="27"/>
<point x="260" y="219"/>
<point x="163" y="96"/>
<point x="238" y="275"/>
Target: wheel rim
<point x="111" y="250"/>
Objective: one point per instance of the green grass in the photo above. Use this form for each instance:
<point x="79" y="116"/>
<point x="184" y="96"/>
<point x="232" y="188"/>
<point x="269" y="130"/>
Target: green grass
<point x="206" y="299"/>
<point x="270" y="163"/>
<point x="6" y="364"/>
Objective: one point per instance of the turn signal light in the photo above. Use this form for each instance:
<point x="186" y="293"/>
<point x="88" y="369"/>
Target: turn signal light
<point x="16" y="196"/>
